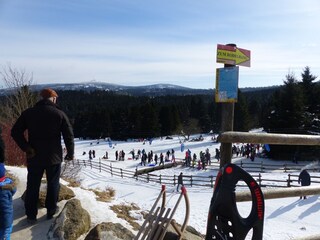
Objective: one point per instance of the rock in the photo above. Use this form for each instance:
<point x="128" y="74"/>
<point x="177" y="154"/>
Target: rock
<point x="189" y="234"/>
<point x="64" y="194"/>
<point x="109" y="231"/>
<point x="71" y="223"/>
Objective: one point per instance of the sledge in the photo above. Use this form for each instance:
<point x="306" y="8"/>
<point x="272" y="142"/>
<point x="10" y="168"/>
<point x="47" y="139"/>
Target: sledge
<point x="159" y="218"/>
<point x="224" y="221"/>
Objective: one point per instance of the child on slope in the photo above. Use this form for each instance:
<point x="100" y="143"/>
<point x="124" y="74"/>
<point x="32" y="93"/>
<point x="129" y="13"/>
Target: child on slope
<point x="7" y="190"/>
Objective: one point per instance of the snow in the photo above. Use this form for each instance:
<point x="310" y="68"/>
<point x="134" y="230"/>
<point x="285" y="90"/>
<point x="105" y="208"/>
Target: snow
<point x="285" y="218"/>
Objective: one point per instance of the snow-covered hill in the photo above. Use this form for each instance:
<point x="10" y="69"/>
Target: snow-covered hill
<point x="286" y="218"/>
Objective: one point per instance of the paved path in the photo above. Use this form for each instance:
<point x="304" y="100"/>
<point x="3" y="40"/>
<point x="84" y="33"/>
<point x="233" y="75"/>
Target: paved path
<point x="22" y="230"/>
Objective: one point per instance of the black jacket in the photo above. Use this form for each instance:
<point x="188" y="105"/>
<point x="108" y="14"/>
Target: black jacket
<point x="304" y="178"/>
<point x="44" y="124"/>
<point x="180" y="179"/>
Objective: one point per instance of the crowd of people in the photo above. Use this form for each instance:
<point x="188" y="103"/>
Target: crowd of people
<point x="195" y="160"/>
<point x="246" y="150"/>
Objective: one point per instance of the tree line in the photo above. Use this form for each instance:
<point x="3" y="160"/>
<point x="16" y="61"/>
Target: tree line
<point x="290" y="108"/>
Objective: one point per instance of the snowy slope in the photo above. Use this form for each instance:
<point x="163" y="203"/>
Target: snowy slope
<point x="285" y="218"/>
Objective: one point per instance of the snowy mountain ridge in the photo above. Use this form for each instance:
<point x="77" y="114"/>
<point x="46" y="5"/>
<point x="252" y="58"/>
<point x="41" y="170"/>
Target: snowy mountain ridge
<point x="159" y="89"/>
<point x="154" y="89"/>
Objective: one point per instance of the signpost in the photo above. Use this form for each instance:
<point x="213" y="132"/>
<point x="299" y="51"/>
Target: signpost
<point x="227" y="89"/>
<point x="232" y="55"/>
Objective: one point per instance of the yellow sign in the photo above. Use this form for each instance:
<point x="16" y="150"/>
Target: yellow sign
<point x="233" y="55"/>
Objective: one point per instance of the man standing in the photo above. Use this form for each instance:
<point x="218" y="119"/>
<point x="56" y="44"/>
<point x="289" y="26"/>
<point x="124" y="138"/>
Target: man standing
<point x="44" y="124"/>
<point x="304" y="179"/>
<point x="180" y="181"/>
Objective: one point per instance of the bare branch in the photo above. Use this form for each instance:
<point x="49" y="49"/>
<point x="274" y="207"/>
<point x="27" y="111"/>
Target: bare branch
<point x="19" y="97"/>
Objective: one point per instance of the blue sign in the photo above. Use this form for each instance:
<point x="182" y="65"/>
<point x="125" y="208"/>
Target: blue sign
<point x="227" y="84"/>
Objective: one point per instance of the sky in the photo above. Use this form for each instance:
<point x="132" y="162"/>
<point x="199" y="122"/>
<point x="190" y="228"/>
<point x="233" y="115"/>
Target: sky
<point x="145" y="42"/>
<point x="284" y="218"/>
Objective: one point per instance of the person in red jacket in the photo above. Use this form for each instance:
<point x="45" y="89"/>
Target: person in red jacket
<point x="44" y="124"/>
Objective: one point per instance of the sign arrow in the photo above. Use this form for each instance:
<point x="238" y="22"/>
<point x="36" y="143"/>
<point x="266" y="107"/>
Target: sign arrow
<point x="233" y="55"/>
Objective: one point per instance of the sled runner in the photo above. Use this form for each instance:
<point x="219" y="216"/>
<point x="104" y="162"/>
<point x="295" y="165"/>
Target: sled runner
<point x="224" y="220"/>
<point x="157" y="222"/>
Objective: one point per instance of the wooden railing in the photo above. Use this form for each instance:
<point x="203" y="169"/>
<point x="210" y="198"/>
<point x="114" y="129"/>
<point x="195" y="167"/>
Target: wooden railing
<point x="195" y="180"/>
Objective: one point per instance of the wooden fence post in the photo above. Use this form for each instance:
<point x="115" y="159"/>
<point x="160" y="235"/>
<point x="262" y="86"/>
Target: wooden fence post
<point x="211" y="181"/>
<point x="174" y="180"/>
<point x="285" y="167"/>
<point x="121" y="173"/>
<point x="99" y="164"/>
<point x="191" y="180"/>
<point x="260" y="180"/>
<point x="84" y="163"/>
<point x="111" y="170"/>
<point x="261" y="166"/>
<point x="289" y="180"/>
<point x="160" y="178"/>
<point x="148" y="177"/>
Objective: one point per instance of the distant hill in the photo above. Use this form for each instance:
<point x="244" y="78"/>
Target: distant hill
<point x="147" y="90"/>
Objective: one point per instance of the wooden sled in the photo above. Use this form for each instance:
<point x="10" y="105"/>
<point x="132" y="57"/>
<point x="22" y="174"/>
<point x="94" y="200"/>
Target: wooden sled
<point x="157" y="222"/>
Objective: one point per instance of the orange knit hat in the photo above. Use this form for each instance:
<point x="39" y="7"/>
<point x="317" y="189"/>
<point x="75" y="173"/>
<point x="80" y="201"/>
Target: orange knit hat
<point x="48" y="93"/>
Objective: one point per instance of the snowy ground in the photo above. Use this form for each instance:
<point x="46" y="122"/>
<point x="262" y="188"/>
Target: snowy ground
<point x="286" y="218"/>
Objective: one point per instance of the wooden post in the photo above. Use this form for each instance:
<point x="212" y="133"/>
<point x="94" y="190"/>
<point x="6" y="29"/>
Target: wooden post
<point x="211" y="181"/>
<point x="270" y="138"/>
<point x="272" y="193"/>
<point x="259" y="180"/>
<point x="289" y="180"/>
<point x="227" y="116"/>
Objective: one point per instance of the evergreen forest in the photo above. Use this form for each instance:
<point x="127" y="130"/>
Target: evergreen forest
<point x="291" y="108"/>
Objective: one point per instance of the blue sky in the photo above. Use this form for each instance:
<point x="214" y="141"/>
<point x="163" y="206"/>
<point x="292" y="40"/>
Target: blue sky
<point x="140" y="42"/>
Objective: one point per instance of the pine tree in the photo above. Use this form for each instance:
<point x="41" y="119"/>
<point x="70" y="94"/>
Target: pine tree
<point x="311" y="101"/>
<point x="286" y="108"/>
<point x="150" y="125"/>
<point x="308" y="89"/>
<point x="286" y="115"/>
<point x="292" y="105"/>
<point x="241" y="114"/>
